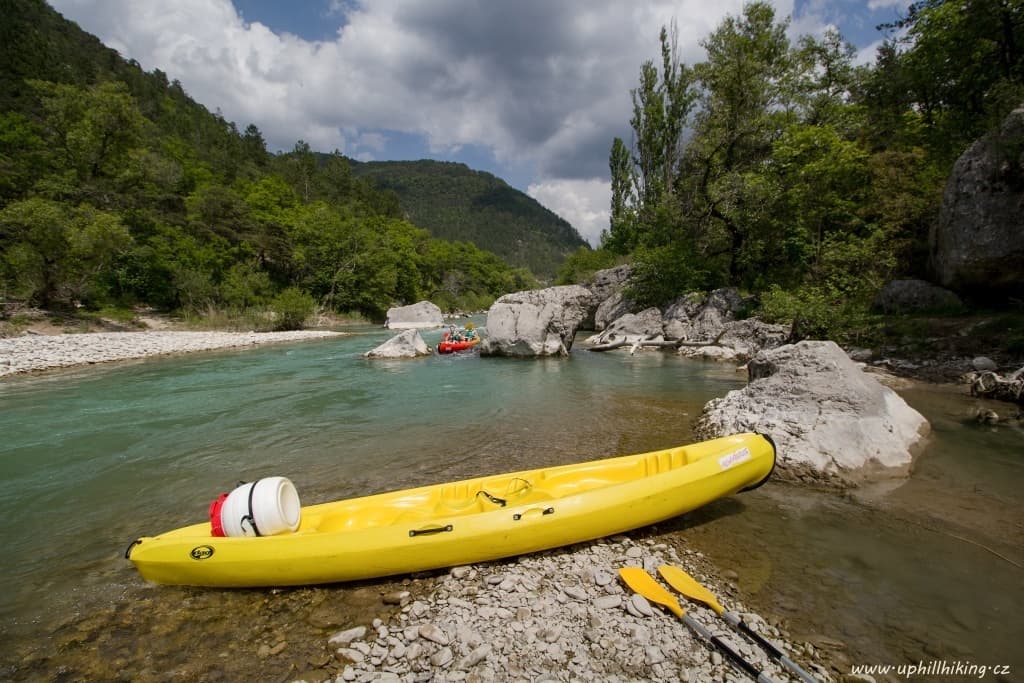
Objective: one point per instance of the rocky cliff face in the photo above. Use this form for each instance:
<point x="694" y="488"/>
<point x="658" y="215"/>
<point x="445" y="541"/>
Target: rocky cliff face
<point x="977" y="244"/>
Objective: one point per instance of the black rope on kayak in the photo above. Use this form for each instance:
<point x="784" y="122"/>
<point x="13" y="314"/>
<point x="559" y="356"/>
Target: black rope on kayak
<point x="494" y="499"/>
<point x="250" y="516"/>
<point x="128" y="552"/>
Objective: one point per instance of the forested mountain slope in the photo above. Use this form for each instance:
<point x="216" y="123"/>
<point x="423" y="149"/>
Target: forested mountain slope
<point x="454" y="202"/>
<point x="117" y="189"/>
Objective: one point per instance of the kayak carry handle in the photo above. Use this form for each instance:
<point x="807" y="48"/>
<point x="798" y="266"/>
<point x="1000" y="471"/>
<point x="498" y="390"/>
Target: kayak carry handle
<point x="519" y="515"/>
<point x="429" y="531"/>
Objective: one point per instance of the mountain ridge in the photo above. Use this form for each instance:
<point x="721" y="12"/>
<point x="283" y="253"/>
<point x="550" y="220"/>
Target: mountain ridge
<point x="456" y="202"/>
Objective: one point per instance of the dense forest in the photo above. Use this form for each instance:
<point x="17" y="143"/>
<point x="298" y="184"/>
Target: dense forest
<point x="117" y="189"/>
<point x="454" y="202"/>
<point x="784" y="169"/>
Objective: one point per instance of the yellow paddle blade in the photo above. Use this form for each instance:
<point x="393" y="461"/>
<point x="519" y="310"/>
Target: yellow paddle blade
<point x="643" y="583"/>
<point x="688" y="586"/>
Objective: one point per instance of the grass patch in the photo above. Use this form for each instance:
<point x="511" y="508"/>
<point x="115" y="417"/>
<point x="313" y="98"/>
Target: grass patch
<point x="250" y="319"/>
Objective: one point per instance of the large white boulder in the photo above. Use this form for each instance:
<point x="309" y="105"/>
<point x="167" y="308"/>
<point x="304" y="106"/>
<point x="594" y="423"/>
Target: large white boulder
<point x="829" y="419"/>
<point x="419" y="316"/>
<point x="539" y="322"/>
<point x="407" y="344"/>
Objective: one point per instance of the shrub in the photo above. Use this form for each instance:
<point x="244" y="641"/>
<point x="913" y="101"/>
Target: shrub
<point x="817" y="313"/>
<point x="291" y="309"/>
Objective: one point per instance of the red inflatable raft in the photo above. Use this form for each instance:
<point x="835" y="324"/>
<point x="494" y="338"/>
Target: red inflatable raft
<point x="459" y="343"/>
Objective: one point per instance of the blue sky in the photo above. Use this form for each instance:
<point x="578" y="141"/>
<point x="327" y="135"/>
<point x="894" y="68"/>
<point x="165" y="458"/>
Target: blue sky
<point x="533" y="91"/>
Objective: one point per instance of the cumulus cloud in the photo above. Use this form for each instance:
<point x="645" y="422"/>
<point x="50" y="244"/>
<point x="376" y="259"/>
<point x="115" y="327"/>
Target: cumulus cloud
<point x="541" y="85"/>
<point x="538" y="82"/>
<point x="584" y="203"/>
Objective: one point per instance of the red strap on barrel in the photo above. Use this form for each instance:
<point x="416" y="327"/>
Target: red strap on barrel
<point x="216" y="526"/>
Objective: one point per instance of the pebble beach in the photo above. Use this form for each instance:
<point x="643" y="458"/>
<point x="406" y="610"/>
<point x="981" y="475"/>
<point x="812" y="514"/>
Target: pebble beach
<point x="562" y="615"/>
<point x="35" y="352"/>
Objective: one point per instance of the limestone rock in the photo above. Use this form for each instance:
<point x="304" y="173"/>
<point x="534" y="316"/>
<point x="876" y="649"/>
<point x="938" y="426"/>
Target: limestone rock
<point x="694" y="318"/>
<point x="613" y="307"/>
<point x="631" y="327"/>
<point x="827" y="417"/>
<point x="679" y="315"/>
<point x="408" y="344"/>
<point x="608" y="281"/>
<point x="916" y="296"/>
<point x="419" y="316"/>
<point x="741" y="340"/>
<point x="536" y="322"/>
<point x="977" y="243"/>
<point x="607" y="287"/>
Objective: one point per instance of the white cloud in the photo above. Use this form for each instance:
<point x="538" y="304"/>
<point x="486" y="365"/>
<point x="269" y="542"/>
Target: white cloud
<point x="536" y="82"/>
<point x="886" y="4"/>
<point x="543" y="86"/>
<point x="584" y="203"/>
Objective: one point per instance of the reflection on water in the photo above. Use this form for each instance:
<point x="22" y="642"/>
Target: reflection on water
<point x="92" y="458"/>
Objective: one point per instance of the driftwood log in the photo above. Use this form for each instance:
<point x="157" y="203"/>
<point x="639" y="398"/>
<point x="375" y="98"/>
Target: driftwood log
<point x="990" y="385"/>
<point x="660" y="343"/>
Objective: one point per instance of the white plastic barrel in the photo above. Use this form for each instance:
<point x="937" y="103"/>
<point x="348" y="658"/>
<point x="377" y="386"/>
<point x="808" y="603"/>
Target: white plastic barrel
<point x="274" y="508"/>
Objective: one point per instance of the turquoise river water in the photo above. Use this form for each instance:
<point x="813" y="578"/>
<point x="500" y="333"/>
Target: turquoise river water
<point x="928" y="570"/>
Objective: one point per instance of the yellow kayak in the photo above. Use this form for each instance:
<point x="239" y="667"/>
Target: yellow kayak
<point x="463" y="522"/>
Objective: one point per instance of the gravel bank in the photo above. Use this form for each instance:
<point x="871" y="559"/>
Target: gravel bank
<point x="33" y="352"/>
<point x="555" y="616"/>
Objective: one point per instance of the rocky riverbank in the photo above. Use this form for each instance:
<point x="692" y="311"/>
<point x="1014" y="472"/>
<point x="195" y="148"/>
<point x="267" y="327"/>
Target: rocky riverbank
<point x="554" y="616"/>
<point x="34" y="352"/>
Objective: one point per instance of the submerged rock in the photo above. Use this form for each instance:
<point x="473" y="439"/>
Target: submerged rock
<point x="829" y="420"/>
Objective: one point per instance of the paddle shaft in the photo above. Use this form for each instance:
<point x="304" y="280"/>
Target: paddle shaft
<point x="691" y="588"/>
<point x="733" y="656"/>
<point x="773" y="651"/>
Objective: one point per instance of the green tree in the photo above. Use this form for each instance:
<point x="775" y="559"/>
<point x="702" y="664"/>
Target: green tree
<point x="300" y="167"/>
<point x="820" y="181"/>
<point x="583" y="263"/>
<point x="621" y="236"/>
<point x="254" y="146"/>
<point x="92" y="129"/>
<point x="747" y="98"/>
<point x="23" y="155"/>
<point x="56" y="254"/>
<point x="959" y="66"/>
<point x="245" y="286"/>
